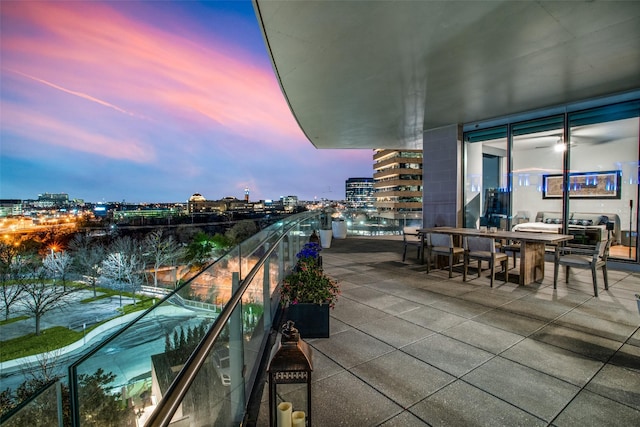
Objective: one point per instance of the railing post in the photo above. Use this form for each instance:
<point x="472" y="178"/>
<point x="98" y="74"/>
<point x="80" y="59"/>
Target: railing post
<point x="240" y="260"/>
<point x="266" y="292"/>
<point x="60" y="407"/>
<point x="292" y="248"/>
<point x="281" y="259"/>
<point x="236" y="356"/>
<point x="73" y="396"/>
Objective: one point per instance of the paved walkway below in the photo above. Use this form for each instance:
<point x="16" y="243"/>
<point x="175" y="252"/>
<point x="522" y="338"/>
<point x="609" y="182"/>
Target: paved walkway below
<point x="72" y="315"/>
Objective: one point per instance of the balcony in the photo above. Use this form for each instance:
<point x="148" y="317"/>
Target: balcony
<point x="406" y="347"/>
<point x="390" y="174"/>
<point x="410" y="348"/>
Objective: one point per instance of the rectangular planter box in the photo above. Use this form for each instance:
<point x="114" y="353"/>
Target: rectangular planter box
<point x="311" y="320"/>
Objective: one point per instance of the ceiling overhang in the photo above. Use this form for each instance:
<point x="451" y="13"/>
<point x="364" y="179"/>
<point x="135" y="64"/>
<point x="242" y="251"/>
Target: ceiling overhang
<point x="370" y="74"/>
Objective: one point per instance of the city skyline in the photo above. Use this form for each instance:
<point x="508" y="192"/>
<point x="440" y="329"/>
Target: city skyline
<point x="152" y="102"/>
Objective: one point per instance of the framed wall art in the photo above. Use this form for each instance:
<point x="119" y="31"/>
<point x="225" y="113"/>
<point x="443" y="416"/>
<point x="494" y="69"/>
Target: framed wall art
<point x="583" y="185"/>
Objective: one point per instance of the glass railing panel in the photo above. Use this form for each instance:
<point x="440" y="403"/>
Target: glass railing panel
<point x="134" y="368"/>
<point x="211" y="287"/>
<point x="143" y="359"/>
<point x="41" y="411"/>
<point x="217" y="392"/>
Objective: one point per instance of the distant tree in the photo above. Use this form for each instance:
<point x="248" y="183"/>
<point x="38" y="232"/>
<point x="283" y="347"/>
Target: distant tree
<point x="186" y="232"/>
<point x="41" y="296"/>
<point x="11" y="264"/>
<point x="161" y="250"/>
<point x="88" y="257"/>
<point x="222" y="243"/>
<point x="241" y="231"/>
<point x="58" y="265"/>
<point x="124" y="266"/>
<point x="120" y="268"/>
<point x="38" y="375"/>
<point x="100" y="407"/>
<point x="184" y="344"/>
<point x="200" y="250"/>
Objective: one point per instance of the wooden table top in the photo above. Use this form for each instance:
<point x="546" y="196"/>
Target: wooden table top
<point x="523" y="236"/>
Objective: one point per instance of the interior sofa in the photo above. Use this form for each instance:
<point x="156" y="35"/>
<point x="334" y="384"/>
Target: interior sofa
<point x="588" y="228"/>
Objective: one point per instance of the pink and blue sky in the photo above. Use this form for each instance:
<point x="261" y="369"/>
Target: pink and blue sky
<point x="151" y="101"/>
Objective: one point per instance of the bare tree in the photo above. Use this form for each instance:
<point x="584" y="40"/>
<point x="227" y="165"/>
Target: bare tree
<point x="41" y="296"/>
<point x="44" y="367"/>
<point x="10" y="266"/>
<point x="161" y="251"/>
<point x="124" y="265"/>
<point x="58" y="265"/>
<point x="88" y="257"/>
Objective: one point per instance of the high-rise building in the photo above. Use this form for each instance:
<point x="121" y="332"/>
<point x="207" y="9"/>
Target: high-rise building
<point x="359" y="193"/>
<point x="289" y="202"/>
<point x="50" y="200"/>
<point x="398" y="183"/>
<point x="10" y="207"/>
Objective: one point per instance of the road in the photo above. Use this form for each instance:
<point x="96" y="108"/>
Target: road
<point x="127" y="356"/>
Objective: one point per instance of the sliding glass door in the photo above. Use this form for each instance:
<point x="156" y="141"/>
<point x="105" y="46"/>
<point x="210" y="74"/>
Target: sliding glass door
<point x="603" y="175"/>
<point x="537" y="154"/>
<point x="575" y="172"/>
<point x="486" y="183"/>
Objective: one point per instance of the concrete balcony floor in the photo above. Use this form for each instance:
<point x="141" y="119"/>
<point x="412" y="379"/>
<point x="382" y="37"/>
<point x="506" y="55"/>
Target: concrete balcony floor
<point x="409" y="348"/>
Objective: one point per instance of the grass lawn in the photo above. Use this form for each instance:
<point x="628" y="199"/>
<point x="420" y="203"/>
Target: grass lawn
<point x="53" y="338"/>
<point x="13" y="319"/>
<point x="28" y="345"/>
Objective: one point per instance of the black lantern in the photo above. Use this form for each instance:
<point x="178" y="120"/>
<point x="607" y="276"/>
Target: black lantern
<point x="290" y="367"/>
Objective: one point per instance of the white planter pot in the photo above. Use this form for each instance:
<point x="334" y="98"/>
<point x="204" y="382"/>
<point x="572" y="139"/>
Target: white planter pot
<point x="325" y="238"/>
<point x="339" y="229"/>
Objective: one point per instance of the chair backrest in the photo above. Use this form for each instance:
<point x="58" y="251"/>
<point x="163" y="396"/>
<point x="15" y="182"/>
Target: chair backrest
<point x="410" y="233"/>
<point x="437" y="239"/>
<point x="602" y="249"/>
<point x="484" y="244"/>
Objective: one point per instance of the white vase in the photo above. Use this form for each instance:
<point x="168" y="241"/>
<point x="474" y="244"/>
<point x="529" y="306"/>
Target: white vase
<point x="339" y="229"/>
<point x="325" y="238"/>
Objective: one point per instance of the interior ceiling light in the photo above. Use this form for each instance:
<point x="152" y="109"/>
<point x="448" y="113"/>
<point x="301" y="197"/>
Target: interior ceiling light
<point x="559" y="145"/>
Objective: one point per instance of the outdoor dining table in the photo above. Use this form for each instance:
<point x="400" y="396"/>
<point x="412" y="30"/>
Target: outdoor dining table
<point x="532" y="246"/>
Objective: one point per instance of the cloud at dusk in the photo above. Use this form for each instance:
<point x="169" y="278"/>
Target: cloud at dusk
<point x="151" y="101"/>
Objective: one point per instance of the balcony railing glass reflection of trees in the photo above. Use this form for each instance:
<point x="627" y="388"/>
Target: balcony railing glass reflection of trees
<point x="124" y="379"/>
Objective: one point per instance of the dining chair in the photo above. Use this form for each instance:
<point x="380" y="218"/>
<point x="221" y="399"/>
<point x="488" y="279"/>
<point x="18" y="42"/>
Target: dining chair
<point x="512" y="248"/>
<point x="484" y="248"/>
<point x="411" y="237"/>
<point x="585" y="258"/>
<point x="442" y="244"/>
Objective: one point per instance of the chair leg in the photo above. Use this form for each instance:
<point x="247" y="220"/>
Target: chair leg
<point x="479" y="267"/>
<point x="428" y="260"/>
<point x="606" y="277"/>
<point x="566" y="274"/>
<point x="404" y="253"/>
<point x="450" y="266"/>
<point x="595" y="280"/>
<point x="493" y="270"/>
<point x="555" y="275"/>
<point x="506" y="270"/>
<point x="465" y="267"/>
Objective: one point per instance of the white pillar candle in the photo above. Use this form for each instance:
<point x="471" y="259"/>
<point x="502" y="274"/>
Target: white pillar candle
<point x="298" y="419"/>
<point x="284" y="414"/>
